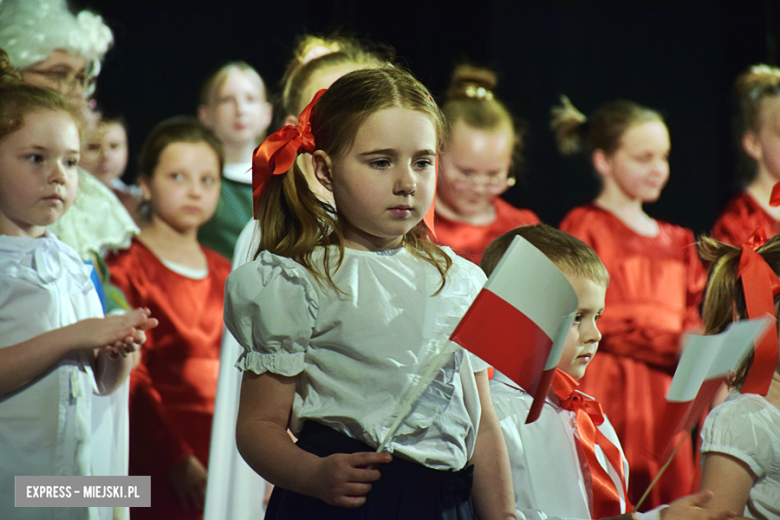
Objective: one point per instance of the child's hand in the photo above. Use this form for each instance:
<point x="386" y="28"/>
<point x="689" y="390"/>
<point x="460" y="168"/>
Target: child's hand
<point x="343" y="479"/>
<point x="189" y="481"/>
<point x="140" y="320"/>
<point x="690" y="508"/>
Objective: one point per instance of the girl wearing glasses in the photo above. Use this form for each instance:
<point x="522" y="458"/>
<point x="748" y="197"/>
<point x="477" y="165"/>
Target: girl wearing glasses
<point x="483" y="147"/>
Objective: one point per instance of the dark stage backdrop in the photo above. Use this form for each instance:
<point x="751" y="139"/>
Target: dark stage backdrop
<point x="680" y="57"/>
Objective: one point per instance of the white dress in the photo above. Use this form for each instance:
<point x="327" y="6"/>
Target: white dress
<point x="550" y="477"/>
<point x="747" y="427"/>
<point x="46" y="425"/>
<point x="234" y="490"/>
<point x="357" y="354"/>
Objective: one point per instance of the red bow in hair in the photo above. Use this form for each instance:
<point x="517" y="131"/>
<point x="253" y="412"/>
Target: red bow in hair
<point x="774" y="199"/>
<point x="760" y="286"/>
<point x="606" y="496"/>
<point x="277" y="153"/>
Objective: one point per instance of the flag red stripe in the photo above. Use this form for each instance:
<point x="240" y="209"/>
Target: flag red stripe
<point x="504" y="337"/>
<point x="681" y="416"/>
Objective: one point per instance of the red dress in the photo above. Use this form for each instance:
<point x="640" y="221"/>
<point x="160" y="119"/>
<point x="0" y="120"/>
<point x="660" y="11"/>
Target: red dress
<point x="740" y="218"/>
<point x="655" y="287"/>
<point x="172" y="391"/>
<point x="470" y="241"/>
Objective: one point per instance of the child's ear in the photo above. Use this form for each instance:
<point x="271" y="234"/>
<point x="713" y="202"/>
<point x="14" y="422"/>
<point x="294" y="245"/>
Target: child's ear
<point x="323" y="169"/>
<point x="751" y="145"/>
<point x="204" y="116"/>
<point x="143" y="183"/>
<point x="601" y="163"/>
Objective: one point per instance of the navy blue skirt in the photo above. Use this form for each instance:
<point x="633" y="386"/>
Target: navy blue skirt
<point x="406" y="490"/>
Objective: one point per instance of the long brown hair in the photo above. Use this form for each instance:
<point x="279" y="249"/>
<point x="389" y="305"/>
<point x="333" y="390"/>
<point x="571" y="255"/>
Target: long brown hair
<point x="293" y="221"/>
<point x="724" y="299"/>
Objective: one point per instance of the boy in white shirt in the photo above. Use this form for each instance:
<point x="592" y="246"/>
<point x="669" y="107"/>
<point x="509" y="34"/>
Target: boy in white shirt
<point x="569" y="464"/>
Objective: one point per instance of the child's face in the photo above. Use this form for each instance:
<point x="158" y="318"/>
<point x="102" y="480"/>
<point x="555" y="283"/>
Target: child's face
<point x="38" y="173"/>
<point x="184" y="188"/>
<point x="640" y="167"/>
<point x="104" y="153"/>
<point x="238" y="114"/>
<point x="764" y="145"/>
<point x="474" y="169"/>
<point x="584" y="336"/>
<point x="384" y="185"/>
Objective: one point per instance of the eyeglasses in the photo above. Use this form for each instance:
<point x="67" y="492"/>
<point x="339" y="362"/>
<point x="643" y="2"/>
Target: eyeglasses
<point x="492" y="183"/>
<point x="67" y="79"/>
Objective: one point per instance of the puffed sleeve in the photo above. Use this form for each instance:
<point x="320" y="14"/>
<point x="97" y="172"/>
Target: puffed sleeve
<point x="270" y="308"/>
<point x="740" y="428"/>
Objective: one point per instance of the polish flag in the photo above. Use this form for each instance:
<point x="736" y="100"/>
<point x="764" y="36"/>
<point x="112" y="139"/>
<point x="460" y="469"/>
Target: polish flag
<point x="519" y="321"/>
<point x="704" y="365"/>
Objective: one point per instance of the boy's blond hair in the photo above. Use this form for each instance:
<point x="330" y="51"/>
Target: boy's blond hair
<point x="570" y="254"/>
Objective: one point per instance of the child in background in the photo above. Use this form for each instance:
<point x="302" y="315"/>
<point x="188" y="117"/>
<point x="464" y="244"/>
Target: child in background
<point x="757" y="130"/>
<point x="740" y="439"/>
<point x="552" y="458"/>
<point x="234" y="489"/>
<point x="104" y="155"/>
<point x="342" y="306"/>
<point x="233" y="105"/>
<point x="172" y="390"/>
<point x="55" y="346"/>
<point x="656" y="281"/>
<point x="483" y="149"/>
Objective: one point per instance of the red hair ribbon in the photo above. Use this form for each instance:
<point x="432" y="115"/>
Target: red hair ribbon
<point x="774" y="199"/>
<point x="760" y="285"/>
<point x="278" y="152"/>
<point x="606" y="497"/>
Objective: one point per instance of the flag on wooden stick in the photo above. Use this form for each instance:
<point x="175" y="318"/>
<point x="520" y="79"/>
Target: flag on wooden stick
<point x="519" y="321"/>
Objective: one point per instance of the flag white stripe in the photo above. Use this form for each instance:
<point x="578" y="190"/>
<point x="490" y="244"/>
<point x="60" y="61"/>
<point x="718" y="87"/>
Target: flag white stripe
<point x="545" y="295"/>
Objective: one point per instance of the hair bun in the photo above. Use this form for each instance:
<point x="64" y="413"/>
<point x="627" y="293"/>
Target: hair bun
<point x="757" y="77"/>
<point x="565" y="123"/>
<point x="469" y="82"/>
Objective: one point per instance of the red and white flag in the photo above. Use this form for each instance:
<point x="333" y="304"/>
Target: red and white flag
<point x="704" y="365"/>
<point x="519" y="321"/>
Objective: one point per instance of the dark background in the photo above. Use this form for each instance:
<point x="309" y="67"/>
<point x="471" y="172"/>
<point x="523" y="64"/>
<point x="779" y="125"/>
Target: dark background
<point x="680" y="57"/>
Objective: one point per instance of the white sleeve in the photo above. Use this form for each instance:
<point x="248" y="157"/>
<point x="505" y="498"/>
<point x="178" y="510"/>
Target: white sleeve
<point x="270" y="308"/>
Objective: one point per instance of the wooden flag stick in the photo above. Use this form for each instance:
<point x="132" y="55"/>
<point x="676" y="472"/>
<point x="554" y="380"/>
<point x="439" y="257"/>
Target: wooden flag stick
<point x="660" y="473"/>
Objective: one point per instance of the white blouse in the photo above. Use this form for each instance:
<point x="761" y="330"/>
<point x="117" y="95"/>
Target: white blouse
<point x="549" y="472"/>
<point x="356" y="354"/>
<point x="45" y="426"/>
<point x="747" y="427"/>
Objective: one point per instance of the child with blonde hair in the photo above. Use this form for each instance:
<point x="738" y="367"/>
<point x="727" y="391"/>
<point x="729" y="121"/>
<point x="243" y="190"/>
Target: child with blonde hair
<point x="569" y="462"/>
<point x="342" y="306"/>
<point x="57" y="348"/>
<point x="740" y="439"/>
<point x="484" y="148"/>
<point x="756" y="129"/>
<point x="233" y="105"/>
<point x="172" y="391"/>
<point x="656" y="281"/>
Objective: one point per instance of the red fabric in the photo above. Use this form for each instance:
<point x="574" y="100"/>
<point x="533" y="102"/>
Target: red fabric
<point x="470" y="241"/>
<point x="740" y="218"/>
<point x="606" y="497"/>
<point x="655" y="288"/>
<point x="277" y="153"/>
<point x="172" y="391"/>
<point x="760" y="286"/>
